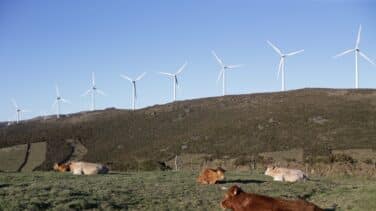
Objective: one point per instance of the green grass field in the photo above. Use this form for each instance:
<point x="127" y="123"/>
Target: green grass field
<point x="168" y="191"/>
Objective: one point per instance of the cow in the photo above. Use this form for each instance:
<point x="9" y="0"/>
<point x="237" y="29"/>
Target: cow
<point x="285" y="174"/>
<point x="86" y="168"/>
<point x="80" y="167"/>
<point x="237" y="200"/>
<point x="61" y="167"/>
<point x="211" y="176"/>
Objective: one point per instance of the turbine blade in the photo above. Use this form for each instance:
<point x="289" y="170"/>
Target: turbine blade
<point x="280" y="67"/>
<point x="87" y="92"/>
<point x="176" y="81"/>
<point x="366" y="58"/>
<point x="135" y="90"/>
<point x="126" y="78"/>
<point x="14" y="103"/>
<point x="164" y="73"/>
<point x="218" y="59"/>
<point x="54" y="104"/>
<point x="220" y="74"/>
<point x="358" y="37"/>
<point x="100" y="92"/>
<point x="93" y="78"/>
<point x="274" y="47"/>
<point x="57" y="91"/>
<point x="294" y="53"/>
<point x="343" y="53"/>
<point x="66" y="101"/>
<point x="140" y="76"/>
<point x="181" y="68"/>
<point x="234" y="66"/>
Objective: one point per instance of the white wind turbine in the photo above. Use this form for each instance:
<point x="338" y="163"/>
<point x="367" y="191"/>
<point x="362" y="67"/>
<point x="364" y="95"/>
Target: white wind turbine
<point x="19" y="111"/>
<point x="174" y="76"/>
<point x="222" y="73"/>
<point x="93" y="90"/>
<point x="134" y="91"/>
<point x="281" y="66"/>
<point x="58" y="101"/>
<point x="357" y="53"/>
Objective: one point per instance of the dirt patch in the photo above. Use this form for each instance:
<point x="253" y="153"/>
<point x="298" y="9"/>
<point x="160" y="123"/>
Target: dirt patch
<point x="11" y="158"/>
<point x="79" y="150"/>
<point x="37" y="155"/>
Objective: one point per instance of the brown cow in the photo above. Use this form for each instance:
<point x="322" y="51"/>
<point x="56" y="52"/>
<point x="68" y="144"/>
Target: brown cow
<point x="211" y="176"/>
<point x="63" y="167"/>
<point x="238" y="200"/>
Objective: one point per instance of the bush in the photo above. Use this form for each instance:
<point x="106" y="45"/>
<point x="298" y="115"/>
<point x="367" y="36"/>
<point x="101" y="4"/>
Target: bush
<point x="341" y="158"/>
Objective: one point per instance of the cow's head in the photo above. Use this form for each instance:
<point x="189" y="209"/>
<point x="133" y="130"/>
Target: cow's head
<point x="221" y="173"/>
<point x="63" y="167"/>
<point x="228" y="200"/>
<point x="269" y="169"/>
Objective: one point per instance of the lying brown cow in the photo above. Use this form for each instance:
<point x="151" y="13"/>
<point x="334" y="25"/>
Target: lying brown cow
<point x="211" y="176"/>
<point x="62" y="167"/>
<point x="238" y="200"/>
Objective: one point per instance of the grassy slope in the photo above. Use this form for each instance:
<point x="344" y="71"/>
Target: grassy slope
<point x="313" y="119"/>
<point x="168" y="191"/>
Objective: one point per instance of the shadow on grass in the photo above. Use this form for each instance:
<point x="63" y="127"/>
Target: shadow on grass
<point x="243" y="181"/>
<point x="4" y="185"/>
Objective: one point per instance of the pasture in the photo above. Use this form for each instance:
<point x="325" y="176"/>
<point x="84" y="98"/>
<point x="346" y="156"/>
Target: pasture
<point x="169" y="190"/>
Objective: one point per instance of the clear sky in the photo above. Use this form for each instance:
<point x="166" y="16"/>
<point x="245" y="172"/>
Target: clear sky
<point x="47" y="42"/>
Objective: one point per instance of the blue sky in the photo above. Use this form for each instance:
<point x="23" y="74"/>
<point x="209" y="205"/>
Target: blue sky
<point x="47" y="42"/>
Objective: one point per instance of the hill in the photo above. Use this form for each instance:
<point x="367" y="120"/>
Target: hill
<point x="314" y="120"/>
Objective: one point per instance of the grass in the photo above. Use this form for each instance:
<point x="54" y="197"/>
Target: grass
<point x="168" y="191"/>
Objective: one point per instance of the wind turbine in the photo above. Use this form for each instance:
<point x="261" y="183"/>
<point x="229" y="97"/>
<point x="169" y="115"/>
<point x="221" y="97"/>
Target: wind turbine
<point x="93" y="90"/>
<point x="57" y="102"/>
<point x="357" y="53"/>
<point x="281" y="67"/>
<point x="174" y="76"/>
<point x="134" y="91"/>
<point x="19" y="111"/>
<point x="222" y="73"/>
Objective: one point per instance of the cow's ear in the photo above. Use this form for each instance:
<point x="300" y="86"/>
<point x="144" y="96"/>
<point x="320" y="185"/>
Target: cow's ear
<point x="235" y="191"/>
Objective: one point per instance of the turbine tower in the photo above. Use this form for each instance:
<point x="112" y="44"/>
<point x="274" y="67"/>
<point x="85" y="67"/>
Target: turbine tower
<point x="58" y="101"/>
<point x="357" y="53"/>
<point x="93" y="90"/>
<point x="174" y="76"/>
<point x="134" y="91"/>
<point x="281" y="66"/>
<point x="18" y="110"/>
<point x="222" y="73"/>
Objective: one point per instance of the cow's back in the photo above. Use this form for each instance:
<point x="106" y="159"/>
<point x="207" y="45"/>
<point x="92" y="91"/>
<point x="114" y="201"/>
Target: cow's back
<point x="207" y="176"/>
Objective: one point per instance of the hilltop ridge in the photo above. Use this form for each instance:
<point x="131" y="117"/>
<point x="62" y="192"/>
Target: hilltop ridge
<point x="315" y="120"/>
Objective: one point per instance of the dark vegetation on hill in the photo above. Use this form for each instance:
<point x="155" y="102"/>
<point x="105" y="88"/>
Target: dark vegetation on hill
<point x="316" y="120"/>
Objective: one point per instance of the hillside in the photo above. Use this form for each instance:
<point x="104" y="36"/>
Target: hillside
<point x="315" y="120"/>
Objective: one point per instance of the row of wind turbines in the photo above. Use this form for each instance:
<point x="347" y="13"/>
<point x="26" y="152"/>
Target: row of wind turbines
<point x="93" y="90"/>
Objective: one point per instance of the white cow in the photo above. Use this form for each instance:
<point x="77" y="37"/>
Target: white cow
<point x="285" y="174"/>
<point x="86" y="168"/>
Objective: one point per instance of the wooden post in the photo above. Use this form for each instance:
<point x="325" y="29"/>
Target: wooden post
<point x="176" y="163"/>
